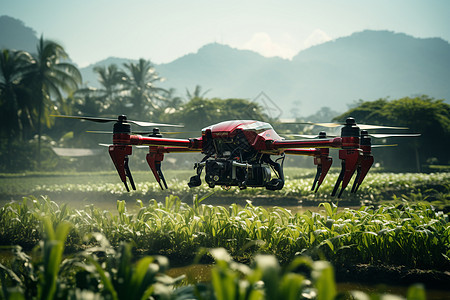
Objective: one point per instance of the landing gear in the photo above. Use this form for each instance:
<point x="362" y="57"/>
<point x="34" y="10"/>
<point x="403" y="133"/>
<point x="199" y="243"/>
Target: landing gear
<point x="276" y="183"/>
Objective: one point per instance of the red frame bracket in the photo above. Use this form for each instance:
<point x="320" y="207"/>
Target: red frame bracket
<point x="323" y="162"/>
<point x="351" y="159"/>
<point x="154" y="159"/>
<point x="119" y="155"/>
<point x="363" y="167"/>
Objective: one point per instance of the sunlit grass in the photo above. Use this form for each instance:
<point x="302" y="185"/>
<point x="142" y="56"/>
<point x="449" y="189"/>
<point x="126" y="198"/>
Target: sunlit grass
<point x="102" y="272"/>
<point x="415" y="235"/>
<point x="376" y="187"/>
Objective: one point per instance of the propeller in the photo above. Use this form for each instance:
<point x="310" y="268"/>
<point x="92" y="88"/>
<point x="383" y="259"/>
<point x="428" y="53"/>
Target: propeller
<point x="380" y="146"/>
<point x="388" y="135"/>
<point x="332" y="125"/>
<point x="142" y="132"/>
<point x="374" y="135"/>
<point x="75" y="152"/>
<point x="136" y="146"/>
<point x="120" y="119"/>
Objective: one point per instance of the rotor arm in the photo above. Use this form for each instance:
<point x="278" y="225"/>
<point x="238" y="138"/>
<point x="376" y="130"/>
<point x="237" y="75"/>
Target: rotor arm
<point x="305" y="152"/>
<point x="317" y="143"/>
<point x="159" y="141"/>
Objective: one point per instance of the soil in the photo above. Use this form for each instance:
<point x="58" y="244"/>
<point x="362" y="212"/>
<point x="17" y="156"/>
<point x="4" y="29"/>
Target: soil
<point x="393" y="275"/>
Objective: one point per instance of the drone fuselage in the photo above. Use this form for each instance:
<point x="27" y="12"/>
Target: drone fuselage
<point x="236" y="154"/>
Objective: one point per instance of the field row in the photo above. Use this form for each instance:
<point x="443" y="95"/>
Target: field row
<point x="412" y="235"/>
<point x="376" y="187"/>
<point x="104" y="272"/>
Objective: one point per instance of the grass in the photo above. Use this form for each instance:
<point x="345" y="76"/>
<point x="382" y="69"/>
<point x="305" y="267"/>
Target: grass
<point x="103" y="272"/>
<point x="258" y="251"/>
<point x="94" y="186"/>
<point x="415" y="235"/>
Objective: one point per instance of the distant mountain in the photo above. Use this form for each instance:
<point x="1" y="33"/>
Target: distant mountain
<point x="365" y="65"/>
<point x="15" y="35"/>
<point x="226" y="71"/>
<point x="90" y="78"/>
<point x="372" y="64"/>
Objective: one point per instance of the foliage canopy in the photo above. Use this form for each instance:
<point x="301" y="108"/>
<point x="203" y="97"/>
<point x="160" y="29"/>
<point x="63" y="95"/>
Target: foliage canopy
<point x="421" y="114"/>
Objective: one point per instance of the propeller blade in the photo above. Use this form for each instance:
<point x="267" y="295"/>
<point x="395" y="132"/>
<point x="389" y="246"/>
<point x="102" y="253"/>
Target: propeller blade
<point x="380" y="146"/>
<point x="93" y="119"/>
<point x="99" y="131"/>
<point x="365" y="126"/>
<point x="375" y="135"/>
<point x="332" y="125"/>
<point x="141" y="132"/>
<point x="107" y="145"/>
<point x="306" y="136"/>
<point x="105" y="120"/>
<point x="164" y="132"/>
<point x="75" y="152"/>
<point x="387" y="135"/>
<point x="310" y="136"/>
<point x="329" y="125"/>
<point x="150" y="124"/>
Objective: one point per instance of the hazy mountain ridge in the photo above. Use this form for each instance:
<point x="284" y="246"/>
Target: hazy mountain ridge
<point x="365" y="65"/>
<point x="15" y="35"/>
<point x="228" y="72"/>
<point x="90" y="78"/>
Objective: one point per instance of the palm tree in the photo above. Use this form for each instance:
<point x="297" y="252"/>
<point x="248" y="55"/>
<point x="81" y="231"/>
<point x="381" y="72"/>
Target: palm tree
<point x="49" y="76"/>
<point x="197" y="93"/>
<point x="144" y="96"/>
<point x="13" y="65"/>
<point x="105" y="98"/>
<point x="171" y="104"/>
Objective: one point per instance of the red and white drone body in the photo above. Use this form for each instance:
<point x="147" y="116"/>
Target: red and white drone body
<point x="239" y="153"/>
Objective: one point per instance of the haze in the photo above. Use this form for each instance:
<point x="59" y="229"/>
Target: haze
<point x="162" y="31"/>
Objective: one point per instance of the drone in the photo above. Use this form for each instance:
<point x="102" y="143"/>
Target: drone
<point x="240" y="152"/>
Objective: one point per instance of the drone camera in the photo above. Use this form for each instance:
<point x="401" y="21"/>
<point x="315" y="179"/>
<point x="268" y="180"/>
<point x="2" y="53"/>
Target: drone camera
<point x="228" y="172"/>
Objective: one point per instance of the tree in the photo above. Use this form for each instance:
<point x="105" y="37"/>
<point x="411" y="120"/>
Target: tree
<point x="197" y="93"/>
<point x="107" y="98"/>
<point x="199" y="113"/>
<point x="48" y="77"/>
<point x="13" y="66"/>
<point x="324" y="114"/>
<point x="371" y="112"/>
<point x="144" y="97"/>
<point x="422" y="114"/>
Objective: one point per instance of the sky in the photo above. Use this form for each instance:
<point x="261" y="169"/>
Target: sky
<point x="161" y="31"/>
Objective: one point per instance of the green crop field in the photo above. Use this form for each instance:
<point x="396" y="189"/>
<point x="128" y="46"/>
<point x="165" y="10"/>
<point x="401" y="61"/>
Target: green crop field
<point x="106" y="185"/>
<point x="72" y="247"/>
<point x="414" y="235"/>
<point x="100" y="264"/>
